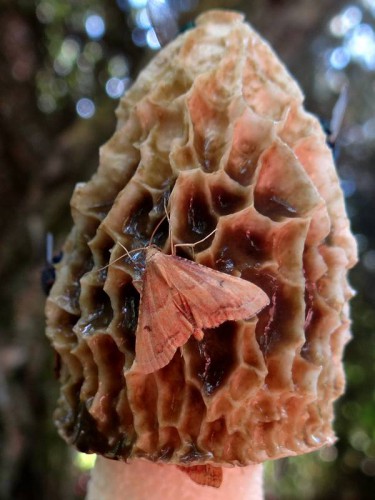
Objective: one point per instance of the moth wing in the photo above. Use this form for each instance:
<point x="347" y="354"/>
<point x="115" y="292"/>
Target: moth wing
<point x="205" y="475"/>
<point x="161" y="329"/>
<point x="214" y="297"/>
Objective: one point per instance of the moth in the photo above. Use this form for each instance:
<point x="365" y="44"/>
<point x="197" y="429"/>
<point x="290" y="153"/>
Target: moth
<point x="180" y="298"/>
<point x="204" y="475"/>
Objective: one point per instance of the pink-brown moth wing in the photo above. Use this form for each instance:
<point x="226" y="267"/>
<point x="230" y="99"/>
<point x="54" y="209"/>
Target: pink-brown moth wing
<point x="205" y="475"/>
<point x="214" y="297"/>
<point x="180" y="297"/>
<point x="161" y="329"/>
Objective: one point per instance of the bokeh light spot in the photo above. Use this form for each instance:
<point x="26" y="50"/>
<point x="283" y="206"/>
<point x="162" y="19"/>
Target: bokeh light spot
<point x="336" y="27"/>
<point x="354" y="135"/>
<point x="368" y="466"/>
<point x="46" y="103"/>
<point x="85" y="108"/>
<point x="59" y="87"/>
<point x="61" y="68"/>
<point x="344" y="22"/>
<point x="45" y="12"/>
<point x="69" y="50"/>
<point x="139" y="37"/>
<point x="368" y="260"/>
<point x="84" y="64"/>
<point x="360" y="43"/>
<point x="328" y="454"/>
<point x="93" y="52"/>
<point x="152" y="39"/>
<point x="118" y="66"/>
<point x="359" y="439"/>
<point x="335" y="80"/>
<point x="95" y="26"/>
<point x="137" y="4"/>
<point x="370" y="5"/>
<point x="67" y="56"/>
<point x="84" y="461"/>
<point x="352" y="16"/>
<point x="142" y="20"/>
<point x="339" y="58"/>
<point x="115" y="87"/>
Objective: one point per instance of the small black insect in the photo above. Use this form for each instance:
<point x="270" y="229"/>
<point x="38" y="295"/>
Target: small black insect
<point x="48" y="273"/>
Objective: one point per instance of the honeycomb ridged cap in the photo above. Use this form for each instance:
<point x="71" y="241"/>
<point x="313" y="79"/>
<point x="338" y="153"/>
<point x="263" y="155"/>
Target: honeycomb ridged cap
<point x="214" y="128"/>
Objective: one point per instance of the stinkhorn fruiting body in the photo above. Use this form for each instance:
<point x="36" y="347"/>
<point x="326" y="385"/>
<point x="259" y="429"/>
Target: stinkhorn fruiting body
<point x="214" y="128"/>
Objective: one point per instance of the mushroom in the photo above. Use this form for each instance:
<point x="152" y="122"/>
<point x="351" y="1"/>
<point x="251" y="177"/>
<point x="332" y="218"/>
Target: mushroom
<point x="214" y="132"/>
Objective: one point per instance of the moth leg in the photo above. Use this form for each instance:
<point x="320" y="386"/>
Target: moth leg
<point x="198" y="334"/>
<point x="183" y="306"/>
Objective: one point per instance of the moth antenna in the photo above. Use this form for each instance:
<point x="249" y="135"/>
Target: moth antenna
<point x="127" y="252"/>
<point x="173" y="252"/>
<point x="156" y="228"/>
<point x="192" y="245"/>
<point x="166" y="212"/>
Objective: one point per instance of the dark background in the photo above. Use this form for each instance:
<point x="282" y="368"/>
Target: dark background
<point x="53" y="54"/>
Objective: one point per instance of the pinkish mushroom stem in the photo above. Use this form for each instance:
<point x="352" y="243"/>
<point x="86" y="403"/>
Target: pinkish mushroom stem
<point x="143" y="480"/>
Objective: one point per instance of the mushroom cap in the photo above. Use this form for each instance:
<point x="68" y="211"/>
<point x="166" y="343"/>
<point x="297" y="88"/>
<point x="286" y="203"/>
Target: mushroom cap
<point x="215" y="128"/>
